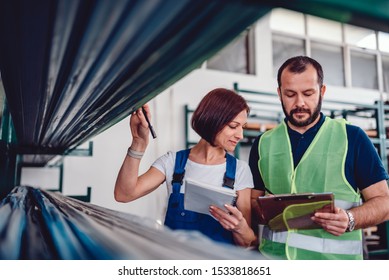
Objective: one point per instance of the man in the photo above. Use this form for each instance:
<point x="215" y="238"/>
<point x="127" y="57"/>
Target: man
<point x="309" y="152"/>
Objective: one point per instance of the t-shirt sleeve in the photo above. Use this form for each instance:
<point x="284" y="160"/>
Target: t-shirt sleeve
<point x="253" y="163"/>
<point x="164" y="163"/>
<point x="243" y="178"/>
<point x="369" y="168"/>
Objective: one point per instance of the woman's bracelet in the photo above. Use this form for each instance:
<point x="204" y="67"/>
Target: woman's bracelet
<point x="135" y="154"/>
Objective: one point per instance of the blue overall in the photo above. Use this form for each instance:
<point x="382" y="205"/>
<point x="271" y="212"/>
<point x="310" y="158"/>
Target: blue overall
<point x="179" y="218"/>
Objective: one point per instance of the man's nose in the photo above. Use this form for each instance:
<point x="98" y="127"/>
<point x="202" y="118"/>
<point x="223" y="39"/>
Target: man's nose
<point x="300" y="101"/>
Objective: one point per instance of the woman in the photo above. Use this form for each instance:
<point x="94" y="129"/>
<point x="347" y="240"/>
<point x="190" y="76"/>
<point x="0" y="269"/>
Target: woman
<point x="219" y="120"/>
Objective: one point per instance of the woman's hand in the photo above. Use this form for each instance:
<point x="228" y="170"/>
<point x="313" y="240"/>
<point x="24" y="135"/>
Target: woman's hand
<point x="233" y="220"/>
<point x="140" y="128"/>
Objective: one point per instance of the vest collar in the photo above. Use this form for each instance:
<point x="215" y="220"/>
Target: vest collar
<point x="313" y="130"/>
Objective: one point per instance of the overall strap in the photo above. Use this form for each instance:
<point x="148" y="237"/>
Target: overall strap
<point x="229" y="176"/>
<point x="179" y="169"/>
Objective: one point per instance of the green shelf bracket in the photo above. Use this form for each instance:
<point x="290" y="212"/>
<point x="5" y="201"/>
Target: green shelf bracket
<point x="85" y="198"/>
<point x="9" y="160"/>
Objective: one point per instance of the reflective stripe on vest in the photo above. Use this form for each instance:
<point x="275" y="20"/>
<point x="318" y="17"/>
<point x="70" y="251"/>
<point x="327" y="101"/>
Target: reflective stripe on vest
<point x="317" y="244"/>
<point x="346" y="204"/>
<point x="321" y="166"/>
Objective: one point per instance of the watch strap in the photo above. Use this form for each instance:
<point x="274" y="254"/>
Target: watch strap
<point x="351" y="221"/>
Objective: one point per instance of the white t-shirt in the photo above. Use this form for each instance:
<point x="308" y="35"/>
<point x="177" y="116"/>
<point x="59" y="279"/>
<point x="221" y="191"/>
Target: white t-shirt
<point x="209" y="174"/>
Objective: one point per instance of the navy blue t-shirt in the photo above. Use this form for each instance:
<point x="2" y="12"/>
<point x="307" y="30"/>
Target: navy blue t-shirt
<point x="363" y="165"/>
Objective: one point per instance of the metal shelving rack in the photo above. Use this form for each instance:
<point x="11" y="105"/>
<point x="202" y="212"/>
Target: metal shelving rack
<point x="13" y="158"/>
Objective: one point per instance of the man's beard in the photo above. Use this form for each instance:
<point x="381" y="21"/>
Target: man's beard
<point x="312" y="116"/>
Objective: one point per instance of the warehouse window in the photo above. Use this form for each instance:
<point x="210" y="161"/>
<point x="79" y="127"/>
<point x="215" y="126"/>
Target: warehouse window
<point x="385" y="68"/>
<point x="237" y="57"/>
<point x="284" y="48"/>
<point x="324" y="30"/>
<point x="287" y="21"/>
<point x="383" y="41"/>
<point x="331" y="59"/>
<point x="348" y="54"/>
<point x="360" y="37"/>
<point x="364" y="70"/>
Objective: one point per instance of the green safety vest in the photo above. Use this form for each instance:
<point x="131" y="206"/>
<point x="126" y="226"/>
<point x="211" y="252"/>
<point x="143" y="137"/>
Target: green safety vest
<point x="321" y="169"/>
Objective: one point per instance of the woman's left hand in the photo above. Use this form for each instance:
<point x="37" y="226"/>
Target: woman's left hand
<point x="231" y="220"/>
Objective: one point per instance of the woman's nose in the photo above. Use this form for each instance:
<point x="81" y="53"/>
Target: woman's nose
<point x="239" y="133"/>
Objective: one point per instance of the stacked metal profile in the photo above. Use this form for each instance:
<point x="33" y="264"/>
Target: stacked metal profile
<point x="37" y="224"/>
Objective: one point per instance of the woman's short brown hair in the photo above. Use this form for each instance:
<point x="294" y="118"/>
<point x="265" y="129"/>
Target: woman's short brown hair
<point x="217" y="109"/>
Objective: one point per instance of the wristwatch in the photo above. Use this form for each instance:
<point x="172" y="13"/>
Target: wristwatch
<point x="351" y="221"/>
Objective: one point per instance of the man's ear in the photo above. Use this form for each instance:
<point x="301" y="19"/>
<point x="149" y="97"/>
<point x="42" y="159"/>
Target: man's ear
<point x="279" y="93"/>
<point x="323" y="90"/>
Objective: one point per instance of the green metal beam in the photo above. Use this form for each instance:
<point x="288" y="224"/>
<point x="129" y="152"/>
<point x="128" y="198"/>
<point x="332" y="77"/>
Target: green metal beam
<point x="9" y="170"/>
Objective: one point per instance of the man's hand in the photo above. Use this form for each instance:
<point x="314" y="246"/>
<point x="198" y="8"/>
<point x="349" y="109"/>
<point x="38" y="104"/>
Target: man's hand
<point x="334" y="223"/>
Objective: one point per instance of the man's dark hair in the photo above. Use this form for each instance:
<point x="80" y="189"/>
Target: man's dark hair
<point x="216" y="110"/>
<point x="298" y="64"/>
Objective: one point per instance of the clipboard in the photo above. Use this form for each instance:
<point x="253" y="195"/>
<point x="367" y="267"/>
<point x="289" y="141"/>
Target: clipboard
<point x="293" y="211"/>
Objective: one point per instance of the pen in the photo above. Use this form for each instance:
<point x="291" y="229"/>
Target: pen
<point x="148" y="122"/>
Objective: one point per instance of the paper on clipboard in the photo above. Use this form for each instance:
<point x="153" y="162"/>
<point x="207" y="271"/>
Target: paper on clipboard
<point x="293" y="211"/>
<point x="199" y="196"/>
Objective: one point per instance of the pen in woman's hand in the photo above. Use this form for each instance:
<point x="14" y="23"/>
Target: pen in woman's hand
<point x="148" y="122"/>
